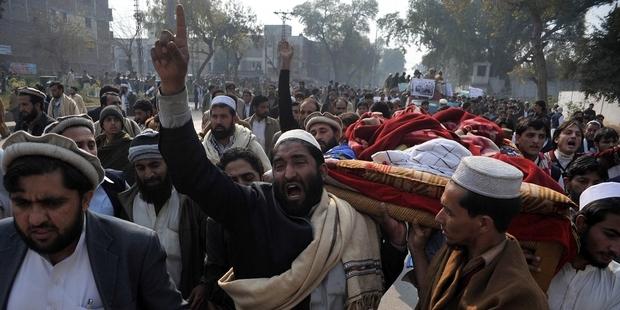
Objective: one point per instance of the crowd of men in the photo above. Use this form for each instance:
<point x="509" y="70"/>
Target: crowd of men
<point x="108" y="211"/>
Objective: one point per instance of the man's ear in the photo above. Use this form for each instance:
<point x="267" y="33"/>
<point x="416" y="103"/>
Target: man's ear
<point x="323" y="171"/>
<point x="580" y="223"/>
<point x="86" y="199"/>
<point x="486" y="223"/>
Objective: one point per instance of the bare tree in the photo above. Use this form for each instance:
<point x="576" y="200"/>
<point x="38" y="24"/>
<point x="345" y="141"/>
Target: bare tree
<point x="124" y="37"/>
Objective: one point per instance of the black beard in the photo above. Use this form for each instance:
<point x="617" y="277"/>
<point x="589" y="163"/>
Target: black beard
<point x="329" y="145"/>
<point x="62" y="240"/>
<point x="156" y="194"/>
<point x="312" y="192"/>
<point x="583" y="251"/>
<point x="28" y="117"/>
<point x="224" y="132"/>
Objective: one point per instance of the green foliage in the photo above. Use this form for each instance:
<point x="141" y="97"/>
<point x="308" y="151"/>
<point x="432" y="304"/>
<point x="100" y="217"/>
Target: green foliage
<point x="211" y="24"/>
<point x="600" y="71"/>
<point x="341" y="30"/>
<point x="507" y="33"/>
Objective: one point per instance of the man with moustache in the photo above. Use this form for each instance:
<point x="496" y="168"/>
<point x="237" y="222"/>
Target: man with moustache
<point x="154" y="203"/>
<point x="32" y="118"/>
<point x="592" y="279"/>
<point x="225" y="133"/>
<point x="294" y="244"/>
<point x="61" y="104"/>
<point x="55" y="253"/>
<point x="480" y="267"/>
<point x="263" y="126"/>
<point x="326" y="128"/>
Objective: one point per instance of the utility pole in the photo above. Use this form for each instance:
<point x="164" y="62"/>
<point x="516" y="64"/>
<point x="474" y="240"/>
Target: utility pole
<point x="284" y="16"/>
<point x="170" y="9"/>
<point x="139" y="17"/>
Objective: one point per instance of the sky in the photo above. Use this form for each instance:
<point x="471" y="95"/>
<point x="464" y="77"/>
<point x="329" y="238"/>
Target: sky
<point x="123" y="10"/>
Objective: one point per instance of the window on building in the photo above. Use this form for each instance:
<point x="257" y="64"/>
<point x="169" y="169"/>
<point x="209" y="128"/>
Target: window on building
<point x="88" y="22"/>
<point x="481" y="70"/>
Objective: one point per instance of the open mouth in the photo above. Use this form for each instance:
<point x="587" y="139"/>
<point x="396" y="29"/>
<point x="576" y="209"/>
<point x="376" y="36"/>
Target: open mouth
<point x="571" y="143"/>
<point x="293" y="191"/>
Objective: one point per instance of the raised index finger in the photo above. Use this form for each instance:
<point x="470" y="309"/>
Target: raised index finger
<point x="181" y="29"/>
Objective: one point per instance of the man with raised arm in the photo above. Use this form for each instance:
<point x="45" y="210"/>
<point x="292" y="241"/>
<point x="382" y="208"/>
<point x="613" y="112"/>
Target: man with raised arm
<point x="294" y="244"/>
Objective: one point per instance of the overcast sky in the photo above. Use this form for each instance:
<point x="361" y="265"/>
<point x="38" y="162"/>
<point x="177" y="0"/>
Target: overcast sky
<point x="123" y="10"/>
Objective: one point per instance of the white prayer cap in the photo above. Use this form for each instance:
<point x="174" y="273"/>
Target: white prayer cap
<point x="488" y="177"/>
<point x="299" y="135"/>
<point x="224" y="100"/>
<point x="443" y="101"/>
<point x="598" y="192"/>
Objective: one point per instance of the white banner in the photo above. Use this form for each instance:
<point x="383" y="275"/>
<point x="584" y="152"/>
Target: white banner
<point x="422" y="87"/>
<point x="449" y="91"/>
<point x="475" y="92"/>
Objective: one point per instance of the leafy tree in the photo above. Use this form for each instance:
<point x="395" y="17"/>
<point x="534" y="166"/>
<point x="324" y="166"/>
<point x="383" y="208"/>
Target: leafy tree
<point x="600" y="70"/>
<point x="507" y="33"/>
<point x="59" y="40"/>
<point x="211" y="24"/>
<point x="340" y="28"/>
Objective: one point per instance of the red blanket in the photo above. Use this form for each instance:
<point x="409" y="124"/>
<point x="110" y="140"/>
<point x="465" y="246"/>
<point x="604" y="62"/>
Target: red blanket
<point x="457" y="119"/>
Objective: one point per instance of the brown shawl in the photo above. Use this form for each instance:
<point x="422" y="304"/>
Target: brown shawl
<point x="503" y="283"/>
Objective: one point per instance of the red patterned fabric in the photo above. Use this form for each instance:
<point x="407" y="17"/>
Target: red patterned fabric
<point x="531" y="172"/>
<point x="457" y="119"/>
<point x="406" y="128"/>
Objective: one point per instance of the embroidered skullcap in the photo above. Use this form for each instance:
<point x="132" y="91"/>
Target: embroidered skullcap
<point x="52" y="145"/>
<point x="224" y="100"/>
<point x="31" y="91"/>
<point x="598" y="192"/>
<point x="323" y="118"/>
<point x="298" y="134"/>
<point x="62" y="123"/>
<point x="145" y="146"/>
<point x="488" y="177"/>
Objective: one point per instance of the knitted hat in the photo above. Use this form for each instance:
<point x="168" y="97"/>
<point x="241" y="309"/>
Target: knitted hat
<point x="31" y="91"/>
<point x="488" y="177"/>
<point x="598" y="192"/>
<point x="145" y="146"/>
<point x="324" y="118"/>
<point x="224" y="100"/>
<point x="111" y="110"/>
<point x="298" y="134"/>
<point x="62" y="123"/>
<point x="55" y="146"/>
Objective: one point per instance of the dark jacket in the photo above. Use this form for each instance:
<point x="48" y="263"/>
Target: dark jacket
<point x="192" y="236"/>
<point x="266" y="240"/>
<point x="94" y="113"/>
<point x="35" y="127"/>
<point x="219" y="251"/>
<point x="113" y="155"/>
<point x="113" y="188"/>
<point x="127" y="261"/>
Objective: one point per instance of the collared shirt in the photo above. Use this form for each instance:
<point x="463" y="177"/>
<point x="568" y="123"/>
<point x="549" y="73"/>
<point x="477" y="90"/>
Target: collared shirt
<point x="484" y="259"/>
<point x="100" y="203"/>
<point x="591" y="288"/>
<point x="543" y="163"/>
<point x="69" y="284"/>
<point x="166" y="224"/>
<point x="258" y="129"/>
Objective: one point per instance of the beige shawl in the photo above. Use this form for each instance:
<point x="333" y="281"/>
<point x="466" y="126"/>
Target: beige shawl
<point x="341" y="234"/>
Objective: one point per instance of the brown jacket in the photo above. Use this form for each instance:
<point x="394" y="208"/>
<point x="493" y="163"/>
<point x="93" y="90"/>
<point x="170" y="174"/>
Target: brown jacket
<point x="504" y="283"/>
<point x="271" y="127"/>
<point x="67" y="107"/>
<point x="192" y="236"/>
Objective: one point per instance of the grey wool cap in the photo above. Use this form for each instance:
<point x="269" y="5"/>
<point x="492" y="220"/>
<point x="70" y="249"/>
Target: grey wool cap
<point x="488" y="177"/>
<point x="52" y="145"/>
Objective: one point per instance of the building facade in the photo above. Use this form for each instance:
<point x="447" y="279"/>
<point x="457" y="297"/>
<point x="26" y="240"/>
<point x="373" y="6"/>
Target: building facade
<point x="51" y="37"/>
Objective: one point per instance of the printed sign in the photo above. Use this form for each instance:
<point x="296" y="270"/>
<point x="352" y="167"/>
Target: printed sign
<point x="5" y="50"/>
<point x="475" y="92"/>
<point x="23" y="68"/>
<point x="422" y="87"/>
